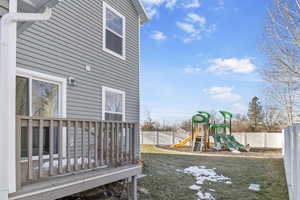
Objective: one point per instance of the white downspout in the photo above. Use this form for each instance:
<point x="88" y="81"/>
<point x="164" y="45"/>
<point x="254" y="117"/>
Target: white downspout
<point x="8" y="42"/>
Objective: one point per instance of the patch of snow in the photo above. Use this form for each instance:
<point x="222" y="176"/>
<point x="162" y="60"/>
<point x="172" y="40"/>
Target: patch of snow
<point x="205" y="195"/>
<point x="202" y="174"/>
<point x="235" y="151"/>
<point x="64" y="162"/>
<point x="254" y="187"/>
<point x="179" y="170"/>
<point x="195" y="187"/>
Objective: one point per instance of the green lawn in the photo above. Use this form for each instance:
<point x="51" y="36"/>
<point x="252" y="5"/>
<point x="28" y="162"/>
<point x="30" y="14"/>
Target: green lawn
<point x="163" y="182"/>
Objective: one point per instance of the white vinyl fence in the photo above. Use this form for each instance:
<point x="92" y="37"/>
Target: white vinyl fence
<point x="291" y="153"/>
<point x="266" y="140"/>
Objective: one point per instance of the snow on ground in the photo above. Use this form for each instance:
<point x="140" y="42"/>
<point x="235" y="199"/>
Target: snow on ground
<point x="64" y="162"/>
<point x="202" y="174"/>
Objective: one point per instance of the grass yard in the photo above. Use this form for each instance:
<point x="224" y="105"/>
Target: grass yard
<point x="163" y="182"/>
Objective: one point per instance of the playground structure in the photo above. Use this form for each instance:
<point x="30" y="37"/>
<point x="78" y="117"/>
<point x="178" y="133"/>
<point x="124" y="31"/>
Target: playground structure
<point x="208" y="136"/>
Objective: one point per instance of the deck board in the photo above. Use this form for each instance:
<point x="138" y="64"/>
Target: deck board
<point x="59" y="187"/>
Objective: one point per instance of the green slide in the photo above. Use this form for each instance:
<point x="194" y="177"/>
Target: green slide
<point x="236" y="143"/>
<point x="227" y="142"/>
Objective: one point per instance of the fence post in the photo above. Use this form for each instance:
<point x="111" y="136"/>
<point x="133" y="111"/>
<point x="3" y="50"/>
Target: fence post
<point x="265" y="140"/>
<point x="297" y="162"/>
<point x="291" y="165"/>
<point x="157" y="138"/>
<point x="245" y="139"/>
<point x="142" y="137"/>
<point x="173" y="137"/>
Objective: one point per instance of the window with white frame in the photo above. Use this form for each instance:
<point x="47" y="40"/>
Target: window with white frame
<point x="113" y="31"/>
<point x="113" y="104"/>
<point x="39" y="95"/>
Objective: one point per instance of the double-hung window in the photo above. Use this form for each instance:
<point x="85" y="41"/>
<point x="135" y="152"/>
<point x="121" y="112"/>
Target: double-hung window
<point x="113" y="31"/>
<point x="39" y="95"/>
<point x="113" y="104"/>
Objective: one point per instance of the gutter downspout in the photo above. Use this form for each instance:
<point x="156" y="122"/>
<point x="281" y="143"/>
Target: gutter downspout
<point x="8" y="42"/>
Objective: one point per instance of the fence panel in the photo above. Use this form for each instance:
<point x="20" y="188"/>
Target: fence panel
<point x="268" y="140"/>
<point x="291" y="153"/>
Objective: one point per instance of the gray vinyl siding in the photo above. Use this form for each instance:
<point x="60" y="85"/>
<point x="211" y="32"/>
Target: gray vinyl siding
<point x="72" y="39"/>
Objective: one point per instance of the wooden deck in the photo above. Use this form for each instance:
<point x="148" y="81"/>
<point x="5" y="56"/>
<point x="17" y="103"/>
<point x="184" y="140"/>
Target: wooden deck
<point x="58" y="157"/>
<point x="63" y="186"/>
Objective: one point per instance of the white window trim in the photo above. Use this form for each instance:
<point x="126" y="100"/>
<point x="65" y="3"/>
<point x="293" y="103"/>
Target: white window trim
<point x="62" y="106"/>
<point x="106" y="6"/>
<point x="107" y="89"/>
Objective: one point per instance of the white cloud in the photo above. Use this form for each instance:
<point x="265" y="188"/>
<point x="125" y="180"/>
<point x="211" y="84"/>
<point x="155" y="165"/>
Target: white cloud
<point x="195" y="27"/>
<point x="171" y="3"/>
<point x="189" y="28"/>
<point x="152" y="12"/>
<point x="235" y="65"/>
<point x="157" y="35"/>
<point x="193" y="17"/>
<point x="192" y="4"/>
<point x="223" y="93"/>
<point x="192" y="69"/>
<point x="152" y="6"/>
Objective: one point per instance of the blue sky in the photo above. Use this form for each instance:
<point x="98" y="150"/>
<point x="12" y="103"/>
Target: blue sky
<point x="200" y="55"/>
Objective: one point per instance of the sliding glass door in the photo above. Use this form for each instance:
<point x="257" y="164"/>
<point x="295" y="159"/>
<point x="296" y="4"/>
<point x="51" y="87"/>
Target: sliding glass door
<point x="39" y="98"/>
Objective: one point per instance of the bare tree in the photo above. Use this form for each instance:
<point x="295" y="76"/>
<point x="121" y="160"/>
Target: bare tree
<point x="281" y="41"/>
<point x="272" y="118"/>
<point x="281" y="44"/>
<point x="282" y="95"/>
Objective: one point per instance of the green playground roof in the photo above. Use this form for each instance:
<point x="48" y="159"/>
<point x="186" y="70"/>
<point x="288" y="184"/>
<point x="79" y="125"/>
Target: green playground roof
<point x="226" y="115"/>
<point x="219" y="126"/>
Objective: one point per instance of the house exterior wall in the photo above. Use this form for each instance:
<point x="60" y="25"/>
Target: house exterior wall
<point x="72" y="39"/>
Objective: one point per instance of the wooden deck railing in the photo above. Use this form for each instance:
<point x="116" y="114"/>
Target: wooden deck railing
<point x="49" y="147"/>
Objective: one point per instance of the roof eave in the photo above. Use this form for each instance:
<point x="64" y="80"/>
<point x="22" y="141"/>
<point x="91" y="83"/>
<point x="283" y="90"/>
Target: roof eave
<point x="141" y="11"/>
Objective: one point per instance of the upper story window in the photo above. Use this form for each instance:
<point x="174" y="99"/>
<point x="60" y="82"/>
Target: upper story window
<point x="113" y="104"/>
<point x="113" y="31"/>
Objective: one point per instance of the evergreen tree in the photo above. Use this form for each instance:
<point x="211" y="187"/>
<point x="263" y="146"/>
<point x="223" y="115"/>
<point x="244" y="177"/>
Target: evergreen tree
<point x="255" y="113"/>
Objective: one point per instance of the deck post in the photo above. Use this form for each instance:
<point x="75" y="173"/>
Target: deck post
<point x="133" y="188"/>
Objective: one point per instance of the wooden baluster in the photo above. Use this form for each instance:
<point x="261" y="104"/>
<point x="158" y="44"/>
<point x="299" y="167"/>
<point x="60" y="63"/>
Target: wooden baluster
<point x="134" y="143"/>
<point x="117" y="135"/>
<point x="75" y="147"/>
<point x="107" y="142"/>
<point x="51" y="138"/>
<point x="96" y="143"/>
<point x="112" y="144"/>
<point x="83" y="146"/>
<point x="60" y="147"/>
<point x="130" y="142"/>
<point x="68" y="147"/>
<point x="101" y="143"/>
<point x="41" y="148"/>
<point x="121" y="141"/>
<point x="90" y="146"/>
<point x="126" y="142"/>
<point x="18" y="153"/>
<point x="29" y="150"/>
